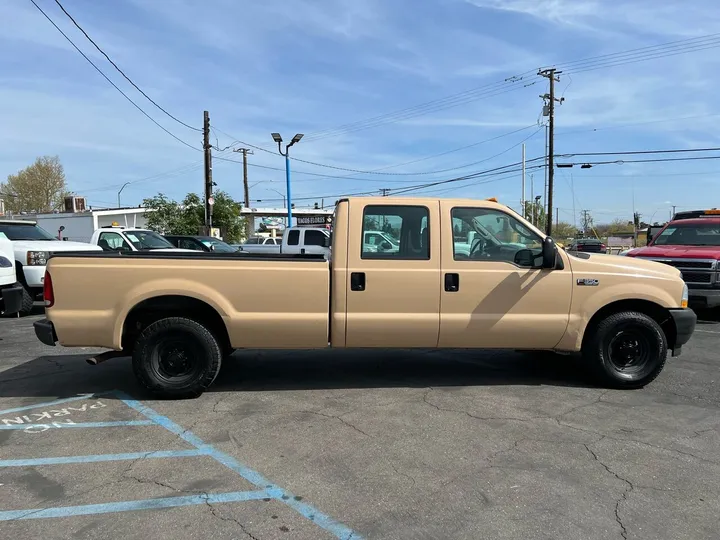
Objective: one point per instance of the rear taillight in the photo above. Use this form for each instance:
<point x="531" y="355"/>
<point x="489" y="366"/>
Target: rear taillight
<point x="580" y="247"/>
<point x="603" y="246"/>
<point x="48" y="293"/>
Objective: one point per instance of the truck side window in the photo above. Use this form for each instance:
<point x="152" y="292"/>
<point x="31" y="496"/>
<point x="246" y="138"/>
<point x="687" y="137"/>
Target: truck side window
<point x="486" y="234"/>
<point x="111" y="241"/>
<point x="314" y="238"/>
<point x="395" y="232"/>
<point x="294" y="237"/>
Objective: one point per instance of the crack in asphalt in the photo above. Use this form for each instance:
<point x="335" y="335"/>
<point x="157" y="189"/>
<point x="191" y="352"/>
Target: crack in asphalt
<point x="626" y="493"/>
<point x="218" y="515"/>
<point x="400" y="473"/>
<point x="461" y="411"/>
<point x="340" y="418"/>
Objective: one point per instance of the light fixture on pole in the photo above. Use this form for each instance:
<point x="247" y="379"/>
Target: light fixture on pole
<point x="278" y="139"/>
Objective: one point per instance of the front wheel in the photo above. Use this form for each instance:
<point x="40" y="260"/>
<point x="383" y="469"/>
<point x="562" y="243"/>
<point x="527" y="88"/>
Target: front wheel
<point x="28" y="302"/>
<point x="176" y="358"/>
<point x="626" y="350"/>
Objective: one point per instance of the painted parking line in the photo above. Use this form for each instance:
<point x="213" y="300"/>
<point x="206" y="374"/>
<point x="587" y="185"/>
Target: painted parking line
<point x="707" y="331"/>
<point x="313" y="514"/>
<point x="97" y="458"/>
<point x="266" y="489"/>
<point x="64" y="425"/>
<point x="128" y="506"/>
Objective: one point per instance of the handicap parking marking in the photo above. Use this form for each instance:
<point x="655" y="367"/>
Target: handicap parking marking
<point x="39" y="428"/>
<point x="266" y="490"/>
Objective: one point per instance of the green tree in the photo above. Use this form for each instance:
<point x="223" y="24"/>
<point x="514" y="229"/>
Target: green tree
<point x="562" y="231"/>
<point x="40" y="187"/>
<point x="188" y="216"/>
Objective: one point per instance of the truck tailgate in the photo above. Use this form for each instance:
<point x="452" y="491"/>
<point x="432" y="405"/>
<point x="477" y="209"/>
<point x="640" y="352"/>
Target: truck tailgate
<point x="266" y="302"/>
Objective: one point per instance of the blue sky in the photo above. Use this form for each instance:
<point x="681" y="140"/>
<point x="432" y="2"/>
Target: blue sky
<point x="308" y="66"/>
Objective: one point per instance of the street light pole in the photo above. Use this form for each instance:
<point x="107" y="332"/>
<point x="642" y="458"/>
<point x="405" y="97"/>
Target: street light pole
<point x="278" y="139"/>
<point x="121" y="190"/>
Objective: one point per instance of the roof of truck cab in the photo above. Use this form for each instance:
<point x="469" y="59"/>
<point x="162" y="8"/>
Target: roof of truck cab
<point x="425" y="200"/>
<point x="694" y="221"/>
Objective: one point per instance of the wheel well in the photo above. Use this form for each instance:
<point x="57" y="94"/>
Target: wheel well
<point x="655" y="311"/>
<point x="20" y="274"/>
<point x="153" y="309"/>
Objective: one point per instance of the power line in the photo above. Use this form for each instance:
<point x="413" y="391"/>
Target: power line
<point x="120" y="70"/>
<point x="636" y="152"/>
<point x="112" y="83"/>
<point x="658" y="160"/>
<point x="598" y="62"/>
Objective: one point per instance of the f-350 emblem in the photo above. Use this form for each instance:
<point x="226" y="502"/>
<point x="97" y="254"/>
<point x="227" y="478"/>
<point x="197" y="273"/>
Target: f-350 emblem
<point x="588" y="282"/>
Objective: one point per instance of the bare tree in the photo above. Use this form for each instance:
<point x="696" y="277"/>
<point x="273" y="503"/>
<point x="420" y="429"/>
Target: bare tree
<point x="40" y="187"/>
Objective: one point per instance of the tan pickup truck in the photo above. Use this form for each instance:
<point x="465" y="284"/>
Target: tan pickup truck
<point x="457" y="274"/>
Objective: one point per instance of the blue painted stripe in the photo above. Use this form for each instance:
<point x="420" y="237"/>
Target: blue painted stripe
<point x="128" y="506"/>
<point x="100" y="457"/>
<point x="59" y="425"/>
<point x="52" y="403"/>
<point x="322" y="520"/>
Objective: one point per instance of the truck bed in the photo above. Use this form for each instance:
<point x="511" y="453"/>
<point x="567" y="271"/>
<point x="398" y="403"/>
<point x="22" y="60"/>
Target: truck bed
<point x="274" y="299"/>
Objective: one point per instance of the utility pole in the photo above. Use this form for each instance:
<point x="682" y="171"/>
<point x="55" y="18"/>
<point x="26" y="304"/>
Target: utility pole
<point x="522" y="197"/>
<point x="551" y="75"/>
<point x="249" y="220"/>
<point x="557" y="216"/>
<point x="532" y="199"/>
<point x="207" y="147"/>
<point x="384" y="191"/>
<point x="673" y="212"/>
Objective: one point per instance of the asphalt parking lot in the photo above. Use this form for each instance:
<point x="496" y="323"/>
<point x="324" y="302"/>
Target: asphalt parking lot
<point x="358" y="444"/>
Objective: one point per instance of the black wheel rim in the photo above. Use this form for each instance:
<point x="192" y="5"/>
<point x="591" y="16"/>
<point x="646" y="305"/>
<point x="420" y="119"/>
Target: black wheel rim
<point x="630" y="351"/>
<point x="176" y="358"/>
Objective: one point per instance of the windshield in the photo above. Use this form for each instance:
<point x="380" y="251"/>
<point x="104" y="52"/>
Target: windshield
<point x="220" y="246"/>
<point x="23" y="231"/>
<point x="689" y="234"/>
<point x="148" y="240"/>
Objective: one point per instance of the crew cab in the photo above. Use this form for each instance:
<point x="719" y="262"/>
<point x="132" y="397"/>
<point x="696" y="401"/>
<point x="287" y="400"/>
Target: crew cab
<point x="11" y="292"/>
<point x="179" y="316"/>
<point x="691" y="243"/>
<point x="32" y="246"/>
<point x="295" y="240"/>
<point x="114" y="238"/>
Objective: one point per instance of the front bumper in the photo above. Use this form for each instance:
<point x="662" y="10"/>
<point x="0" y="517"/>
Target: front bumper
<point x="11" y="299"/>
<point x="45" y="332"/>
<point x="685" y="321"/>
<point x="34" y="276"/>
<point x="704" y="298"/>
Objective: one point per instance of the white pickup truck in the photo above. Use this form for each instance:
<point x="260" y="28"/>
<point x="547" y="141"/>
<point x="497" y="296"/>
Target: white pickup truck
<point x="124" y="239"/>
<point x="32" y="247"/>
<point x="11" y="292"/>
<point x="295" y="240"/>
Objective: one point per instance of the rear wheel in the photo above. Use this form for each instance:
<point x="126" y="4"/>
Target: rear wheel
<point x="626" y="350"/>
<point x="176" y="358"/>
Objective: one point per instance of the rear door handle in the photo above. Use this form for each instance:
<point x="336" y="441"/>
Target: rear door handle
<point x="452" y="282"/>
<point x="357" y="281"/>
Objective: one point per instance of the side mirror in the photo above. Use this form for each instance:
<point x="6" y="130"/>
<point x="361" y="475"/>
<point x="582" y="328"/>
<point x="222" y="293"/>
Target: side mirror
<point x="549" y="253"/>
<point x="328" y="242"/>
<point x="386" y="245"/>
<point x="212" y="247"/>
<point x="525" y="257"/>
<point x="649" y="239"/>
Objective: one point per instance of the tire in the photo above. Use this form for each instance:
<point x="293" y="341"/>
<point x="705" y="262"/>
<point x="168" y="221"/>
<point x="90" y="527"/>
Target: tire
<point x="176" y="358"/>
<point x="27" y="303"/>
<point x="626" y="350"/>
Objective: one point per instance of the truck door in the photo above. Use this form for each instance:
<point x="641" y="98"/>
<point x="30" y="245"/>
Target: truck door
<point x="313" y="242"/>
<point x="393" y="293"/>
<point x="491" y="296"/>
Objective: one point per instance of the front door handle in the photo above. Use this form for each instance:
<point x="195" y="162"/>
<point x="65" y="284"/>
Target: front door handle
<point x="357" y="281"/>
<point x="452" y="282"/>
